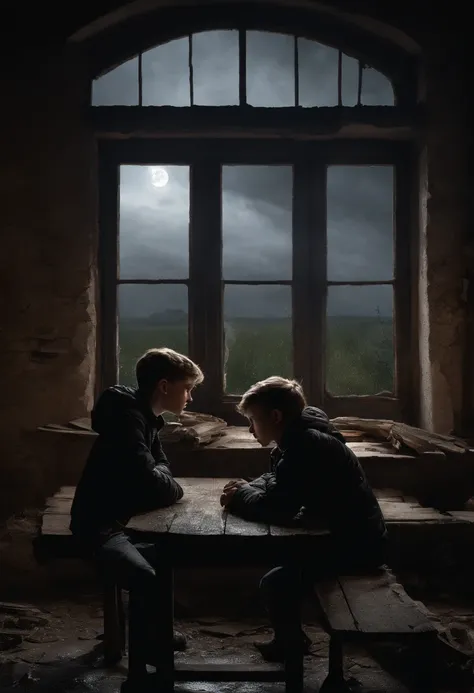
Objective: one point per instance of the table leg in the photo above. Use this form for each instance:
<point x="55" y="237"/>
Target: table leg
<point x="165" y="587"/>
<point x="294" y="673"/>
<point x="137" y="673"/>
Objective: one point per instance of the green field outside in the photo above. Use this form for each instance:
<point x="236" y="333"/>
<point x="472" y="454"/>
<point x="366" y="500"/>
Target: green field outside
<point x="359" y="351"/>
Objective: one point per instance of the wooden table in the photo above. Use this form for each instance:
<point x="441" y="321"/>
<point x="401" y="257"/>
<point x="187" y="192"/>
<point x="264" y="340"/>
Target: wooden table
<point x="197" y="532"/>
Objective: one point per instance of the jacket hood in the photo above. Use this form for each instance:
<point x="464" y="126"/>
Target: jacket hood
<point x="113" y="403"/>
<point x="312" y="418"/>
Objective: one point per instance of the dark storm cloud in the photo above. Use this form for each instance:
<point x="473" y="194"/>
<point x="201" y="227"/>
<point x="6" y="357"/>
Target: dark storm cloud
<point x="256" y="200"/>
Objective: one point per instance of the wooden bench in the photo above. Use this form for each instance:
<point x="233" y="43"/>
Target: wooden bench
<point x="368" y="608"/>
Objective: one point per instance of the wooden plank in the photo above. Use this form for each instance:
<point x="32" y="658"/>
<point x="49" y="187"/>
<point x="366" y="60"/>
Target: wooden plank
<point x="372" y="605"/>
<point x="388" y="494"/>
<point x="463" y="515"/>
<point x="58" y="429"/>
<point x="228" y="120"/>
<point x="157" y="521"/>
<point x="66" y="492"/>
<point x="335" y="609"/>
<point x="236" y="526"/>
<point x="83" y="424"/>
<point x="234" y="437"/>
<point x="55" y="525"/>
<point x="380" y="606"/>
<point x="404" y="512"/>
<point x="227" y="671"/>
<point x="280" y="531"/>
<point x="57" y="504"/>
<point x="200" y="511"/>
<point x="396" y="433"/>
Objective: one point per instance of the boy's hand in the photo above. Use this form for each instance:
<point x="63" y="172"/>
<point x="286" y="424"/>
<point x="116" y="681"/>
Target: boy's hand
<point x="235" y="483"/>
<point x="229" y="490"/>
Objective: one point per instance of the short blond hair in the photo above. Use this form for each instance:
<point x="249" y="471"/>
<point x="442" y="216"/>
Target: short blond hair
<point x="275" y="393"/>
<point x="165" y="364"/>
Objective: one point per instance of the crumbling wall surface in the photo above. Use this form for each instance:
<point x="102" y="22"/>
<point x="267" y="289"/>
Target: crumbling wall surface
<point x="444" y="223"/>
<point x="48" y="241"/>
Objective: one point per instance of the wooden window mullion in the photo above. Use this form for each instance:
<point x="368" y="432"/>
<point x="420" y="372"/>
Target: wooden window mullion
<point x="205" y="281"/>
<point x="109" y="224"/>
<point x="317" y="278"/>
<point x="404" y="358"/>
<point x="301" y="311"/>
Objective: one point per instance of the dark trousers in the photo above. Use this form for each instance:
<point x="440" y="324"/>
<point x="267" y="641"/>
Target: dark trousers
<point x="284" y="588"/>
<point x="131" y="564"/>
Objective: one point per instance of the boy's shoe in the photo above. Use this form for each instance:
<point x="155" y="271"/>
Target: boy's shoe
<point x="274" y="651"/>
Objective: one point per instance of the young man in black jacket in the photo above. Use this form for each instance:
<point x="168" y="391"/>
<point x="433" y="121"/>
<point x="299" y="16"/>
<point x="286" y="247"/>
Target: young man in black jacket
<point x="314" y="476"/>
<point x="127" y="473"/>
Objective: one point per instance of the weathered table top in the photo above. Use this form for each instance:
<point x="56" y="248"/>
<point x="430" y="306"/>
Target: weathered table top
<point x="195" y="529"/>
<point x="198" y="523"/>
<point x="199" y="513"/>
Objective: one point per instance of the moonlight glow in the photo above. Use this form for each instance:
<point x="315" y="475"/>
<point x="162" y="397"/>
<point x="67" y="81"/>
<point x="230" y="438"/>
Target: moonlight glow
<point x="159" y="176"/>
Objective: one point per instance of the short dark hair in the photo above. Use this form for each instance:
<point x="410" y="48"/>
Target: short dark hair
<point x="165" y="364"/>
<point x="275" y="393"/>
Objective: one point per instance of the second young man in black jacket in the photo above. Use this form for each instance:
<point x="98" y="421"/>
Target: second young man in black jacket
<point x="314" y="476"/>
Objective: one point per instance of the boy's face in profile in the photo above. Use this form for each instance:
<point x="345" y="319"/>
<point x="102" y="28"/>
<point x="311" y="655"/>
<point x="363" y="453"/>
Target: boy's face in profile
<point x="265" y="424"/>
<point x="173" y="396"/>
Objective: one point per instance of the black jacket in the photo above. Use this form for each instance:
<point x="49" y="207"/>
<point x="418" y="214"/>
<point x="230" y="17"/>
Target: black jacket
<point x="127" y="472"/>
<point x="316" y="477"/>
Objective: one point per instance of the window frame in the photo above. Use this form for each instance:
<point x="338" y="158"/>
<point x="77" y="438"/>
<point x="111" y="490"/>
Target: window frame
<point x="310" y="160"/>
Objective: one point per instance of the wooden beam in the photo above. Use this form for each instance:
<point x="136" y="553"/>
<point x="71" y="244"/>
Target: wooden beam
<point x="316" y="306"/>
<point x="205" y="285"/>
<point x="366" y="406"/>
<point x="191" y="150"/>
<point x="244" y="121"/>
<point x="109" y="177"/>
<point x="301" y="271"/>
<point x="405" y="343"/>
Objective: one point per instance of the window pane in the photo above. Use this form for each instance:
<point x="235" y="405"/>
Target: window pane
<point x="350" y="80"/>
<point x="257" y="335"/>
<point x="150" y="316"/>
<point x="154" y="222"/>
<point x="360" y="354"/>
<point x="216" y="68"/>
<point x="360" y="223"/>
<point x="165" y="74"/>
<point x="257" y="222"/>
<point x="377" y="90"/>
<point x="119" y="87"/>
<point x="270" y="69"/>
<point x="317" y="73"/>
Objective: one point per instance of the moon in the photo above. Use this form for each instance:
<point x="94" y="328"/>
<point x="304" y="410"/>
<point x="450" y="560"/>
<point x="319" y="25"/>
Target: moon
<point x="159" y="176"/>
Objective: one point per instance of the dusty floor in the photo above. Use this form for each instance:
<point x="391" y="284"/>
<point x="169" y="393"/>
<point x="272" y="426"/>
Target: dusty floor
<point x="62" y="652"/>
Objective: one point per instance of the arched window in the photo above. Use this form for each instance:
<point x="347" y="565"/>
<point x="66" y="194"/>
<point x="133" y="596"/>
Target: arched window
<point x="255" y="214"/>
<point x="279" y="70"/>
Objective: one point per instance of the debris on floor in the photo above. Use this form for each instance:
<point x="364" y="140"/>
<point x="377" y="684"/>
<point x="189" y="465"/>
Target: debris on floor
<point x="58" y="650"/>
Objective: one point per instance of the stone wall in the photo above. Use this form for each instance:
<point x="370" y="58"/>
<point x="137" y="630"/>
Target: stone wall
<point x="444" y="246"/>
<point x="48" y="248"/>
